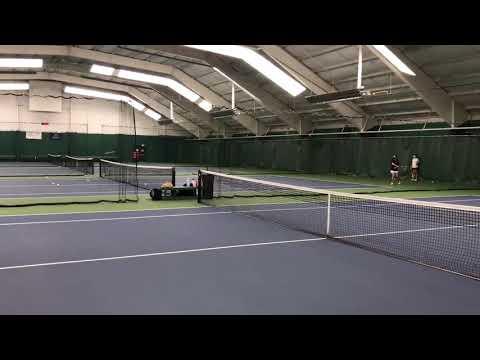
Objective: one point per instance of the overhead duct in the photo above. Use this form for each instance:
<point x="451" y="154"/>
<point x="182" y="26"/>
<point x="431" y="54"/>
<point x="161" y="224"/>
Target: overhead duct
<point x="223" y="113"/>
<point x="165" y="122"/>
<point x="336" y="96"/>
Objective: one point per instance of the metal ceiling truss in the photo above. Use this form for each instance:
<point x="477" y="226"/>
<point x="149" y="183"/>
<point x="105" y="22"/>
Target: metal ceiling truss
<point x="203" y="116"/>
<point x="133" y="92"/>
<point x="127" y="62"/>
<point x="432" y="94"/>
<point x="314" y="83"/>
<point x="274" y="105"/>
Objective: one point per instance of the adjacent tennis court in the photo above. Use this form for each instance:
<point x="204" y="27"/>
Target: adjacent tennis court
<point x="256" y="248"/>
<point x="209" y="261"/>
<point x="235" y="179"/>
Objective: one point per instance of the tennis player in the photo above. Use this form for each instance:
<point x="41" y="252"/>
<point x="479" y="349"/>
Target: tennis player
<point x="395" y="170"/>
<point x="414" y="167"/>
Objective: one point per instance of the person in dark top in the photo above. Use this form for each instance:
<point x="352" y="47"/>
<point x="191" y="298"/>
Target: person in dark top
<point x="395" y="170"/>
<point x="142" y="152"/>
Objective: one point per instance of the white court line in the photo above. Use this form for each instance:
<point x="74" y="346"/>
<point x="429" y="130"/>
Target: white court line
<point x="457" y="200"/>
<point x="59" y="193"/>
<point x="407" y="231"/>
<point x="296" y="177"/>
<point x="200" y="206"/>
<point x="220" y="247"/>
<point x="414" y="261"/>
<point x="101" y="212"/>
<point x="58" y="184"/>
<point x="176" y="215"/>
<point x="148" y="216"/>
<point x="174" y="252"/>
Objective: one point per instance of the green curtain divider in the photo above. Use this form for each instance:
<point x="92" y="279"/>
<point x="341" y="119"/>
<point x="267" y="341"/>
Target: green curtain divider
<point x="443" y="157"/>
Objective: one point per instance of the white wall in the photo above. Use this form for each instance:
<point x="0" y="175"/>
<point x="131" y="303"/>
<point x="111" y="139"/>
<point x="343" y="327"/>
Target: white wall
<point x="79" y="116"/>
<point x="45" y="96"/>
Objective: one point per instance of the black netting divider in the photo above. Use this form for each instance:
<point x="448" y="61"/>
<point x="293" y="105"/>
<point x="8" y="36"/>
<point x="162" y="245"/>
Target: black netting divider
<point x="57" y="160"/>
<point x="80" y="165"/>
<point x="140" y="176"/>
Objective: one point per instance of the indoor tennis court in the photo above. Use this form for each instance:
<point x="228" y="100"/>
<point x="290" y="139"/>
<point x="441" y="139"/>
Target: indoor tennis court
<point x="234" y="179"/>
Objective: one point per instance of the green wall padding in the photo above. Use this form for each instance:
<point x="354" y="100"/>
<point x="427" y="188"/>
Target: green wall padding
<point x="8" y="141"/>
<point x="444" y="157"/>
<point x="14" y="146"/>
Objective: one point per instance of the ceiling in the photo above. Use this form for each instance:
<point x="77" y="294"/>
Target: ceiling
<point x="454" y="69"/>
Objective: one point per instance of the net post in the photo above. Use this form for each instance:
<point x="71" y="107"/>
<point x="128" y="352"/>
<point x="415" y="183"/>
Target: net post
<point x="329" y="205"/>
<point x="174" y="173"/>
<point x="199" y="186"/>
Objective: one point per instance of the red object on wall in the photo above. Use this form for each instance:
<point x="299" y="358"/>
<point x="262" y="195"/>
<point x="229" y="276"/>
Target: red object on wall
<point x="44" y="123"/>
<point x="135" y="156"/>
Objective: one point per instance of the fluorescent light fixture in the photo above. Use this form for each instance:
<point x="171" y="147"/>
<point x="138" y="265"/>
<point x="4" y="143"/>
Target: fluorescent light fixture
<point x="14" y="86"/>
<point x="160" y="80"/>
<point x="393" y="59"/>
<point x="20" y="63"/>
<point x="135" y="104"/>
<point x="153" y="79"/>
<point x="153" y="114"/>
<point x="93" y="93"/>
<point x="182" y="90"/>
<point x="133" y="75"/>
<point x="104" y="95"/>
<point x="102" y="70"/>
<point x="259" y="63"/>
<point x="205" y="105"/>
<point x="228" y="78"/>
<point x="111" y="96"/>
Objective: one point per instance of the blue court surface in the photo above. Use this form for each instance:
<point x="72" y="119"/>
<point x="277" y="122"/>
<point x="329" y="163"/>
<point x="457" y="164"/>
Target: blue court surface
<point x="207" y="261"/>
<point x="87" y="186"/>
<point x="52" y="186"/>
<point x="185" y="172"/>
<point x="311" y="183"/>
<point x="467" y="200"/>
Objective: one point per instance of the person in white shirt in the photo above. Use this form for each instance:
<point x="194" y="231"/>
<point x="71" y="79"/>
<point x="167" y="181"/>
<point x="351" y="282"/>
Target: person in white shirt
<point x="414" y="167"/>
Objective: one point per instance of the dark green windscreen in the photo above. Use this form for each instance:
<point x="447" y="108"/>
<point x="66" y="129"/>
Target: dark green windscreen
<point x="444" y="157"/>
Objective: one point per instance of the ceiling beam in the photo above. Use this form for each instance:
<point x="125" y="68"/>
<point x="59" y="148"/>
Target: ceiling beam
<point x="116" y="60"/>
<point x="248" y="122"/>
<point x="165" y="111"/>
<point x="207" y="121"/>
<point x="314" y="83"/>
<point x="250" y="84"/>
<point x="434" y="96"/>
<point x="202" y="115"/>
<point x="155" y="105"/>
<point x="271" y="103"/>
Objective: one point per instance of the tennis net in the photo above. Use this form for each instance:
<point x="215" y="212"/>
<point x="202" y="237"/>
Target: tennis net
<point x="57" y="160"/>
<point x="82" y="165"/>
<point x="433" y="234"/>
<point x="141" y="176"/>
<point x="77" y="165"/>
